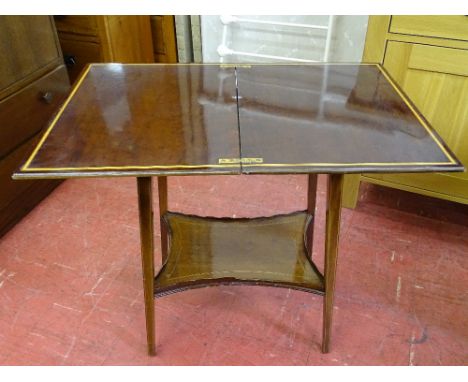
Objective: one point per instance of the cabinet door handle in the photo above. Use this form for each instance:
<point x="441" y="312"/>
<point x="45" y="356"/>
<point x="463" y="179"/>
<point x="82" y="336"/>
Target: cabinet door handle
<point x="70" y="60"/>
<point x="47" y="97"/>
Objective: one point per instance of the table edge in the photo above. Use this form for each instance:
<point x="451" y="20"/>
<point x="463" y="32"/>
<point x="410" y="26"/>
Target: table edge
<point x="26" y="172"/>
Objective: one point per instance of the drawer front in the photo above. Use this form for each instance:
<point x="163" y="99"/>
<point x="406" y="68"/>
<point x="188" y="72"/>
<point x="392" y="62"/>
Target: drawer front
<point x="79" y="25"/>
<point x="451" y="27"/>
<point x="27" y="45"/>
<point x="77" y="54"/>
<point x="27" y="111"/>
<point x="18" y="197"/>
<point x="10" y="188"/>
<point x="439" y="59"/>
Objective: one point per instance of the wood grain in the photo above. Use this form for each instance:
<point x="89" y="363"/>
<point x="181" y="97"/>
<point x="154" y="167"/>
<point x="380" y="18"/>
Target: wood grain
<point x="311" y="203"/>
<point x="209" y="251"/>
<point x="374" y="49"/>
<point x="28" y="49"/>
<point x="164" y="38"/>
<point x="133" y="120"/>
<point x="145" y="208"/>
<point x="163" y="203"/>
<point x="452" y="27"/>
<point x="77" y="25"/>
<point x="334" y="201"/>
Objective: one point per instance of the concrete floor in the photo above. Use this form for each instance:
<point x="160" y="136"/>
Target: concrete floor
<point x="71" y="286"/>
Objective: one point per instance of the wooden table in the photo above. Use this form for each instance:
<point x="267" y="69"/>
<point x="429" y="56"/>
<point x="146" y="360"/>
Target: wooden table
<point x="163" y="120"/>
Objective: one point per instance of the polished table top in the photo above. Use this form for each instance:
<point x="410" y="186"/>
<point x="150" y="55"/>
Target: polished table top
<point x="156" y="119"/>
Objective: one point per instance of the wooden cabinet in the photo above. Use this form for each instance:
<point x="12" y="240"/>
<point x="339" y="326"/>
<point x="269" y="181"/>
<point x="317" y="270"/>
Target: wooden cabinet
<point x="86" y="39"/>
<point x="26" y="55"/>
<point x="33" y="83"/>
<point x="164" y="38"/>
<point x="428" y="57"/>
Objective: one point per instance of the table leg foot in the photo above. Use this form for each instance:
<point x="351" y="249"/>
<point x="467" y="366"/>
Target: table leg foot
<point x="325" y="348"/>
<point x="151" y="350"/>
<point x="334" y="200"/>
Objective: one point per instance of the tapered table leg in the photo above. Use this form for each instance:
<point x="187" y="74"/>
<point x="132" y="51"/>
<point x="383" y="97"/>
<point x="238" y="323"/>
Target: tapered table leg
<point x="335" y="190"/>
<point x="162" y="192"/>
<point x="311" y="199"/>
<point x="145" y="207"/>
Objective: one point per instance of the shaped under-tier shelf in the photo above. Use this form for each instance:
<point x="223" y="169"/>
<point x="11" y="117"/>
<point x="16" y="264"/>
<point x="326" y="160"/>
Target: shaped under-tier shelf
<point x="206" y="251"/>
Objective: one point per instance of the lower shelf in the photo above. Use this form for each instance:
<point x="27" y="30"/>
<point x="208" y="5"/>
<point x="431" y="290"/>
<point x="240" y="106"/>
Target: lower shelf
<point x="212" y="251"/>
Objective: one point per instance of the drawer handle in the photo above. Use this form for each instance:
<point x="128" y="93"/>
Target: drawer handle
<point x="70" y="60"/>
<point x="47" y="97"/>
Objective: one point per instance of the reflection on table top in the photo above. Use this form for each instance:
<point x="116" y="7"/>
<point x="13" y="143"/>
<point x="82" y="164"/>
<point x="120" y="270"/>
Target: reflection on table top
<point x="349" y="117"/>
<point x="153" y="119"/>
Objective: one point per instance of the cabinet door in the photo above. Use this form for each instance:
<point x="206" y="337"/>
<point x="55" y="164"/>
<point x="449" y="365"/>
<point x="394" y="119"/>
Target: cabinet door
<point x="28" y="44"/>
<point x="436" y="80"/>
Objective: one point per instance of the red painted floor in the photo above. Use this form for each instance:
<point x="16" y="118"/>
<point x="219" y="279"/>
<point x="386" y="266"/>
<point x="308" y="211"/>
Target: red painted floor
<point x="71" y="286"/>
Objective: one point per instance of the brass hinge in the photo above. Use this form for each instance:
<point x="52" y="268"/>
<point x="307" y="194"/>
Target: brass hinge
<point x="236" y="66"/>
<point x="240" y="160"/>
